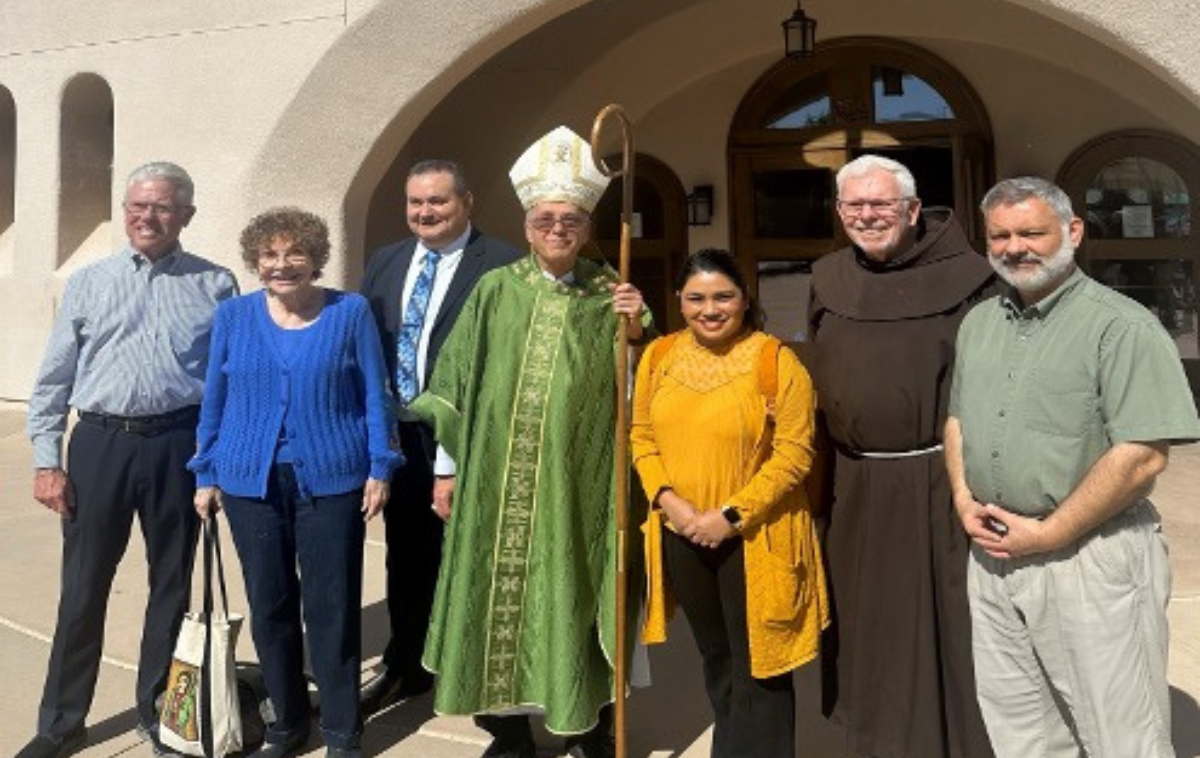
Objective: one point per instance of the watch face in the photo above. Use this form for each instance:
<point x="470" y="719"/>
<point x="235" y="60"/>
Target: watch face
<point x="731" y="515"/>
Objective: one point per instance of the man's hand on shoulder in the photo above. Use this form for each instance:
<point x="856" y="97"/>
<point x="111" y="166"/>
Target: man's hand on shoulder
<point x="52" y="488"/>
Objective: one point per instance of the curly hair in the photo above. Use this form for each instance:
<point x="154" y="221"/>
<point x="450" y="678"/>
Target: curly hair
<point x="306" y="231"/>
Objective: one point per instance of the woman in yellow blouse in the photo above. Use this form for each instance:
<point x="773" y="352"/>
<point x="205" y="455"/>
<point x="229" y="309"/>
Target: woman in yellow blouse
<point x="722" y="438"/>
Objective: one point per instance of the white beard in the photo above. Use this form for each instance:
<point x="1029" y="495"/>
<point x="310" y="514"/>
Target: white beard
<point x="1049" y="270"/>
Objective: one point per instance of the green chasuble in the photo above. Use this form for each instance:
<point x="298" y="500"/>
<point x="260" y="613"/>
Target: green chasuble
<point x="523" y="398"/>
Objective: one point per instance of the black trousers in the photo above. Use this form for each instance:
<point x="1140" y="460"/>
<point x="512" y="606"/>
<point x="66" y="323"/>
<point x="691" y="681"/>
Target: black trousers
<point x="115" y="475"/>
<point x="512" y="732"/>
<point x="754" y="718"/>
<point x="414" y="551"/>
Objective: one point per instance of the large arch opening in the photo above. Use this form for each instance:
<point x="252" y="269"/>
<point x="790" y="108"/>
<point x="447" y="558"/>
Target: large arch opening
<point x="518" y="72"/>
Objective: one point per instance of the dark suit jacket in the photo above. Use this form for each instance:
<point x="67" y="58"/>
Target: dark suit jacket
<point x="383" y="285"/>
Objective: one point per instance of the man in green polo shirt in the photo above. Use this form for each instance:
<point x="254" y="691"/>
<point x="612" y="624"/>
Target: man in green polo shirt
<point x="1066" y="398"/>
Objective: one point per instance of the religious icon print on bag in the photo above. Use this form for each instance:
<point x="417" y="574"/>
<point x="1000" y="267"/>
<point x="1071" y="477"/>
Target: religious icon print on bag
<point x="179" y="702"/>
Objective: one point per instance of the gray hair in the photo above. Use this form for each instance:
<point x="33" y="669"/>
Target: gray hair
<point x="441" y="166"/>
<point x="865" y="164"/>
<point x="1022" y="188"/>
<point x="184" y="190"/>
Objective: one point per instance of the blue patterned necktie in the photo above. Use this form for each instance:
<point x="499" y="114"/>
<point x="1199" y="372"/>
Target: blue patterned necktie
<point x="409" y="337"/>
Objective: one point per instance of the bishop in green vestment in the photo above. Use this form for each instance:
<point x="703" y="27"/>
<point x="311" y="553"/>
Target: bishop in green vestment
<point x="523" y="399"/>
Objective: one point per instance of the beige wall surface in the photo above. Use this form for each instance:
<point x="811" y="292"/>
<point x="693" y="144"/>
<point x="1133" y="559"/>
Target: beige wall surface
<point x="324" y="103"/>
<point x="200" y="87"/>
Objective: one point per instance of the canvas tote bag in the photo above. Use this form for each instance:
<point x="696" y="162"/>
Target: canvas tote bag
<point x="200" y="714"/>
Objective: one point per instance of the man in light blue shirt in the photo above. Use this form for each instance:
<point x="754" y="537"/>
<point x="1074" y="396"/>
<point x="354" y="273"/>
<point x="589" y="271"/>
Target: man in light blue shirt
<point x="128" y="351"/>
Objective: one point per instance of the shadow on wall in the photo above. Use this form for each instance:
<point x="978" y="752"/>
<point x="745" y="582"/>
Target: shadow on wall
<point x="1185" y="724"/>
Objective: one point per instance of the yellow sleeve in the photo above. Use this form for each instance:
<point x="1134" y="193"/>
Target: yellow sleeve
<point x="792" y="446"/>
<point x="646" y="457"/>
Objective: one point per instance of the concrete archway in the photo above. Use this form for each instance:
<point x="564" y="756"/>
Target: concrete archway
<point x="360" y="107"/>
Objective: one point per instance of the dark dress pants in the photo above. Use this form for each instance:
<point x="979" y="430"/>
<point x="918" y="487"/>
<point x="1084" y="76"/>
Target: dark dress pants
<point x="323" y="536"/>
<point x="414" y="552"/>
<point x="114" y="475"/>
<point x="755" y="718"/>
<point x="513" y="731"/>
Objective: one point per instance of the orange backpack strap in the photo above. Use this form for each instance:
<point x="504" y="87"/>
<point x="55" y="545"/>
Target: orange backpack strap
<point x="659" y="350"/>
<point x="768" y="371"/>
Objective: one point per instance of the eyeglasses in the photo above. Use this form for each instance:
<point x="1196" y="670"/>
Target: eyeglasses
<point x="570" y="222"/>
<point x="888" y="207"/>
<point x="158" y="209"/>
<point x="292" y="257"/>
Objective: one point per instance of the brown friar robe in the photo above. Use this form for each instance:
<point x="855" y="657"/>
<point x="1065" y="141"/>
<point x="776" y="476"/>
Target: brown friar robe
<point x="883" y="352"/>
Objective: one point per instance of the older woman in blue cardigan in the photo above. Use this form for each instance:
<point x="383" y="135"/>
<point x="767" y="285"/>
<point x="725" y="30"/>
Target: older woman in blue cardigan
<point x="294" y="443"/>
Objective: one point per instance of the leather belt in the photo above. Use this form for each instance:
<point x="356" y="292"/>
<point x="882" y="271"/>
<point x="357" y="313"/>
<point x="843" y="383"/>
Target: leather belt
<point x="145" y="426"/>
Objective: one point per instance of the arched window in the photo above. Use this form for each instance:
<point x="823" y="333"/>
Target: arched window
<point x="1137" y="193"/>
<point x="659" y="241"/>
<point x="85" y="169"/>
<point x="805" y="119"/>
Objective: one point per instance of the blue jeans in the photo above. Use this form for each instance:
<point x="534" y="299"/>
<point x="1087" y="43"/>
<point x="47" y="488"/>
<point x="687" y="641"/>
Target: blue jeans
<point x="324" y="537"/>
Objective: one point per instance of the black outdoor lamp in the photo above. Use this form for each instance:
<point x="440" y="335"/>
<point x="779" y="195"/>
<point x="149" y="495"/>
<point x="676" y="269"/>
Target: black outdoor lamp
<point x="799" y="34"/>
<point x="700" y="205"/>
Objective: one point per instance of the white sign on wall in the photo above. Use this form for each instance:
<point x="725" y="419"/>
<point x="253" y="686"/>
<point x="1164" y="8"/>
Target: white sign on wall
<point x="1137" y="222"/>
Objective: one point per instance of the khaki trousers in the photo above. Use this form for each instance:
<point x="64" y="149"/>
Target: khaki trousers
<point x="1070" y="647"/>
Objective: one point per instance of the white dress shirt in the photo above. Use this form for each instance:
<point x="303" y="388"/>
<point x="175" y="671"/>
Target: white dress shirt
<point x="452" y="255"/>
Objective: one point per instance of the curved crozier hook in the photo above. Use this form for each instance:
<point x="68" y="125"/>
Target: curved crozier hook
<point x="618" y="112"/>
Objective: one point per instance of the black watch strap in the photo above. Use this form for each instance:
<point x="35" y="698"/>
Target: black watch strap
<point x="732" y="515"/>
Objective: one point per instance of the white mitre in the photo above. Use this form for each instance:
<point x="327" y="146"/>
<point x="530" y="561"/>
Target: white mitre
<point x="558" y="168"/>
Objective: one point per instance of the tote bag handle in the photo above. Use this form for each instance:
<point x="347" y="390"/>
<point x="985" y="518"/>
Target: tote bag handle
<point x="212" y="546"/>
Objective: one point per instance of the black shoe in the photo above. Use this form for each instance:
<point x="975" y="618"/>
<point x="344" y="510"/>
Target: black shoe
<point x="501" y="749"/>
<point x="597" y="743"/>
<point x="379" y="692"/>
<point x="343" y="752"/>
<point x="285" y="749"/>
<point x="45" y="746"/>
<point x="512" y="737"/>
<point x="597" y="747"/>
<point x="386" y="689"/>
<point x="415" y="685"/>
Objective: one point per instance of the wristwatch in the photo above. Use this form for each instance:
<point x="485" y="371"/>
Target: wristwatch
<point x="733" y="516"/>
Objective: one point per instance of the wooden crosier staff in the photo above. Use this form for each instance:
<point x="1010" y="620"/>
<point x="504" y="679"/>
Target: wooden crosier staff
<point x="621" y="455"/>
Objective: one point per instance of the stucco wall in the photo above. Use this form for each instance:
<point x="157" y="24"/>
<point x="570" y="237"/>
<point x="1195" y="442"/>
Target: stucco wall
<point x="314" y="102"/>
<point x="1048" y="89"/>
<point x="201" y="87"/>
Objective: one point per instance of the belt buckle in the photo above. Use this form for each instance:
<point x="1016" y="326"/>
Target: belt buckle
<point x="126" y="426"/>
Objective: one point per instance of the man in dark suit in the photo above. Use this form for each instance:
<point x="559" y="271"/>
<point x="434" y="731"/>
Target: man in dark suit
<point x="416" y="288"/>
